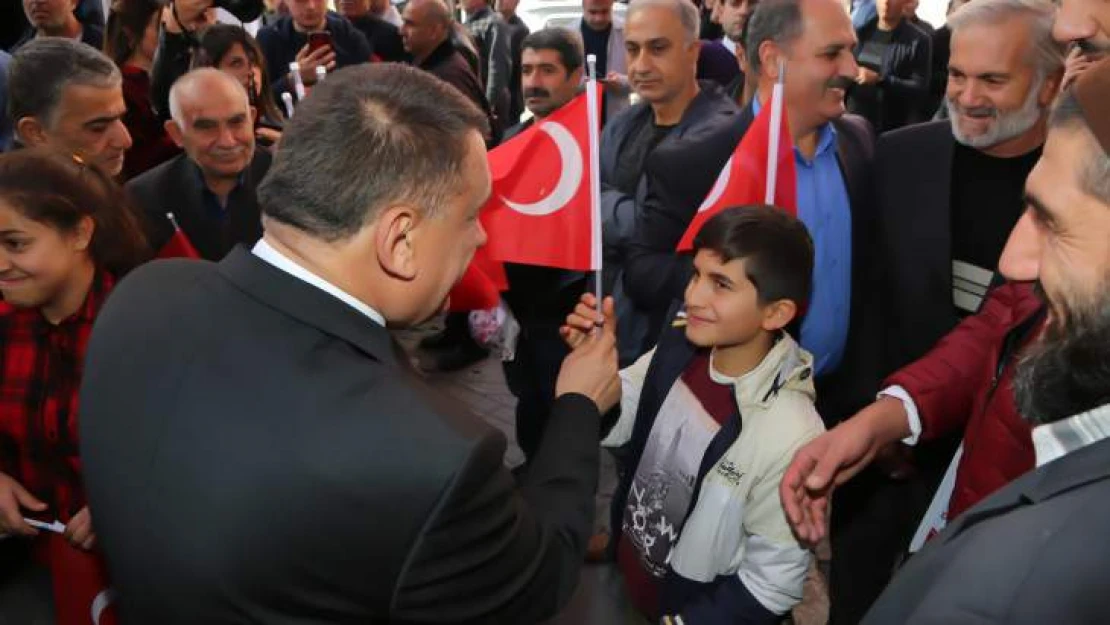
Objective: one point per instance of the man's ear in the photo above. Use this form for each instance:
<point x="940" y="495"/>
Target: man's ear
<point x="174" y="131"/>
<point x="769" y="55"/>
<point x="778" y="314"/>
<point x="30" y="131"/>
<point x="1050" y="88"/>
<point x="395" y="243"/>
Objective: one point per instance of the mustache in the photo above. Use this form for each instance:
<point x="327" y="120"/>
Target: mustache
<point x="1088" y="47"/>
<point x="839" y="82"/>
<point x="978" y="111"/>
<point x="536" y="92"/>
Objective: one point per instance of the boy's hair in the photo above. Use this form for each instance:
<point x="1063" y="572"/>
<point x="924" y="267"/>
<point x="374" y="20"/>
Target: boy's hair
<point x="775" y="246"/>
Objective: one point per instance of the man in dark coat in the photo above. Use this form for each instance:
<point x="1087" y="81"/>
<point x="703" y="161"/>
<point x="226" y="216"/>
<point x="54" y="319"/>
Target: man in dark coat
<point x="257" y="448"/>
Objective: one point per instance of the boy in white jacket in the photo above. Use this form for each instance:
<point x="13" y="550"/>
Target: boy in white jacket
<point x="709" y="420"/>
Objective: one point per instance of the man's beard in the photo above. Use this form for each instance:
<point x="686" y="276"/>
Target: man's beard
<point x="1067" y="371"/>
<point x="1006" y="125"/>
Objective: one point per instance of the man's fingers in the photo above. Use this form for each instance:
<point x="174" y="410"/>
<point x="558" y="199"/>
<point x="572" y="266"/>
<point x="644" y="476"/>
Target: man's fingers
<point x="11" y="518"/>
<point x="26" y="499"/>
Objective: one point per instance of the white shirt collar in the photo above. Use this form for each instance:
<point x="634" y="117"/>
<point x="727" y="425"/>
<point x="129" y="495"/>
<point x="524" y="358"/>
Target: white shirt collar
<point x="266" y="252"/>
<point x="1053" y="440"/>
<point x="729" y="44"/>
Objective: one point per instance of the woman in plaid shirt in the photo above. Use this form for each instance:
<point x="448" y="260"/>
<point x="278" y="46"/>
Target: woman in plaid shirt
<point x="65" y="238"/>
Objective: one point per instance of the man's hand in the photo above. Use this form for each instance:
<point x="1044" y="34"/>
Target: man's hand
<point x="615" y="83"/>
<point x="308" y="61"/>
<point x="867" y="76"/>
<point x="834" y="458"/>
<point x="13" y="500"/>
<point x="591" y="368"/>
<point x="192" y="14"/>
<point x="79" y="530"/>
<point x="585" y="319"/>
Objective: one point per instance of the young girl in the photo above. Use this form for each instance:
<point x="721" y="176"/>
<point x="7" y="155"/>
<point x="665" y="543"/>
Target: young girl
<point x="66" y="237"/>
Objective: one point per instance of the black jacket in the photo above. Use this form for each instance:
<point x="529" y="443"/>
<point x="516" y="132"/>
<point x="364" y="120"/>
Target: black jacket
<point x="517" y="32"/>
<point x="1032" y="553"/>
<point x="256" y="452"/>
<point x="901" y="96"/>
<point x="176" y="187"/>
<point x="280" y="43"/>
<point x="448" y="64"/>
<point x="385" y="38"/>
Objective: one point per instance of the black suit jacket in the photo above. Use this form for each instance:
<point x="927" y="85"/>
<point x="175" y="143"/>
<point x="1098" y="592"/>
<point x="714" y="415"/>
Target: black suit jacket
<point x="447" y="64"/>
<point x="1033" y="553"/>
<point x="903" y="87"/>
<point x="255" y="452"/>
<point x="385" y="38"/>
<point x="176" y="187"/>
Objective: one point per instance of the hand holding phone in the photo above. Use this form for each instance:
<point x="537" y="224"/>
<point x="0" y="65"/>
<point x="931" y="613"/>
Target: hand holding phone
<point x="319" y="40"/>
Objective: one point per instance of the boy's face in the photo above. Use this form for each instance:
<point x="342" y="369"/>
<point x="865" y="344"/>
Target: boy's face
<point x="722" y="305"/>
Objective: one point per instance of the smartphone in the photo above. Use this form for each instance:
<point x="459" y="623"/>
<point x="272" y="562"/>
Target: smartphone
<point x="318" y="40"/>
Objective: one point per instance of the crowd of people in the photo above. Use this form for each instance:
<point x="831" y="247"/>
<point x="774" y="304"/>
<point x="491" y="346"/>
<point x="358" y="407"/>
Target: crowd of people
<point x="907" y="370"/>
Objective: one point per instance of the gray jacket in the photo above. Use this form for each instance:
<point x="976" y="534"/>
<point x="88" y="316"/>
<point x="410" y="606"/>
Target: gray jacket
<point x="491" y="35"/>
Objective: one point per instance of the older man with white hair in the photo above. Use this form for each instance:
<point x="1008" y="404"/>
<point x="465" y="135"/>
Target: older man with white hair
<point x="210" y="189"/>
<point x="948" y="193"/>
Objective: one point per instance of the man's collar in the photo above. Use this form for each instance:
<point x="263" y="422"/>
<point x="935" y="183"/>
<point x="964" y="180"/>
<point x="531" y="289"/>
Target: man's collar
<point x="826" y="134"/>
<point x="1054" y="440"/>
<point x="266" y="252"/>
<point x="479" y="14"/>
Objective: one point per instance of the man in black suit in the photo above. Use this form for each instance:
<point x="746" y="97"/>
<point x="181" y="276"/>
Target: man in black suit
<point x="210" y="189"/>
<point x="1035" y="551"/>
<point x="256" y="448"/>
<point x="695" y="123"/>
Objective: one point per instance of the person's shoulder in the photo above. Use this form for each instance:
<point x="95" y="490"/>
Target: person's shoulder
<point x="914" y="136"/>
<point x="156" y="176"/>
<point x="280" y="28"/>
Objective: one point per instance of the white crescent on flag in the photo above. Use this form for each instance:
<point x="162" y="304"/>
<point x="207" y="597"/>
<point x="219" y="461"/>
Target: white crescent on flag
<point x="718" y="187"/>
<point x="101" y="603"/>
<point x="567" y="186"/>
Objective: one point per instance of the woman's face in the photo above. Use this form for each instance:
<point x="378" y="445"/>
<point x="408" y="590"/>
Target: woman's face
<point x="38" y="262"/>
<point x="148" y="45"/>
<point x="238" y="64"/>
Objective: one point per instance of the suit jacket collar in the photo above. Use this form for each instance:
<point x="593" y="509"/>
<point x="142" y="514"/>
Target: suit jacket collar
<point x="1077" y="469"/>
<point x="710" y="101"/>
<point x="306" y="303"/>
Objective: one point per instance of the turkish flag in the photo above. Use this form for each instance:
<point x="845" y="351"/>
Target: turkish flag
<point x="743" y="180"/>
<point x="542" y="209"/>
<point x="80" y="581"/>
<point x="480" y="287"/>
<point x="179" y="245"/>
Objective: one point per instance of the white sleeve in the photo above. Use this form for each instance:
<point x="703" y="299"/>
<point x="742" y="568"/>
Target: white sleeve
<point x="774" y="572"/>
<point x="913" y="417"/>
<point x="632" y="383"/>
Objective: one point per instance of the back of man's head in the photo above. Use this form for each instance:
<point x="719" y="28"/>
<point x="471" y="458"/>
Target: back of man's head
<point x="42" y="69"/>
<point x="368" y="137"/>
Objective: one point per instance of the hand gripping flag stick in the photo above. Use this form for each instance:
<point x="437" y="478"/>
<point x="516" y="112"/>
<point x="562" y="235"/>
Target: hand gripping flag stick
<point x="593" y="107"/>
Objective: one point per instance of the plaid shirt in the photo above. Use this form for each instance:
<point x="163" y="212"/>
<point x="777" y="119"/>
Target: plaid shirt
<point x="40" y="375"/>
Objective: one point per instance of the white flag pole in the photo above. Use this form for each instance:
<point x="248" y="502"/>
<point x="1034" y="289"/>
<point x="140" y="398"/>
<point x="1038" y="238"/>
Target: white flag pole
<point x="287" y="99"/>
<point x="592" y="115"/>
<point x="298" y="82"/>
<point x="775" y="138"/>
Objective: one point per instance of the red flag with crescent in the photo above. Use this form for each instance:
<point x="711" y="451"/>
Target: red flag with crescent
<point x="179" y="245"/>
<point x="541" y="210"/>
<point x="743" y="180"/>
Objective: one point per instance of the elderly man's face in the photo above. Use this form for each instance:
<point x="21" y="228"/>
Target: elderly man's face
<point x="88" y="123"/>
<point x="994" y="91"/>
<point x="216" y="128"/>
<point x="1085" y="21"/>
<point x="49" y="14"/>
<point x="1061" y="242"/>
<point x="420" y="31"/>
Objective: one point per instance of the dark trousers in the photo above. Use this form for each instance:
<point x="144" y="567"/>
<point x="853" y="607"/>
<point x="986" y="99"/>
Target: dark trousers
<point x="531" y="378"/>
<point x="26" y="594"/>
